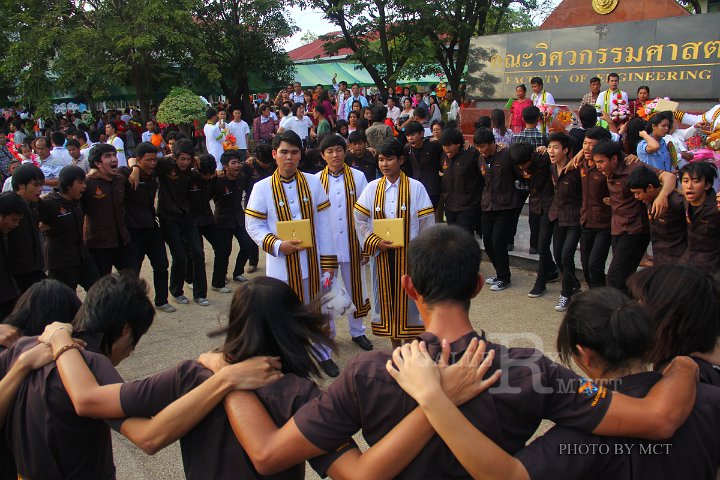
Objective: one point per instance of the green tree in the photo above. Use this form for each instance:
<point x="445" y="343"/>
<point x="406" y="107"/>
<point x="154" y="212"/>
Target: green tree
<point x="244" y="36"/>
<point x="181" y="107"/>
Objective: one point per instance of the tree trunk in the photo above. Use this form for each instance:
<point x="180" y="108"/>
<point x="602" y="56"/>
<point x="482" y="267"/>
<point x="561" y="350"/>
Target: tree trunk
<point x="140" y="78"/>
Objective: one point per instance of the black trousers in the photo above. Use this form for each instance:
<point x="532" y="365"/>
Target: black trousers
<point x="497" y="227"/>
<point x="210" y="233"/>
<point x="534" y="222"/>
<point x="565" y="241"/>
<point x="84" y="275"/>
<point x="222" y="256"/>
<point x="149" y="242"/>
<point x="26" y="280"/>
<point x="545" y="238"/>
<point x="182" y="234"/>
<point x="594" y="249"/>
<point x="628" y="250"/>
<point x="253" y="255"/>
<point x="122" y="258"/>
<point x="467" y="219"/>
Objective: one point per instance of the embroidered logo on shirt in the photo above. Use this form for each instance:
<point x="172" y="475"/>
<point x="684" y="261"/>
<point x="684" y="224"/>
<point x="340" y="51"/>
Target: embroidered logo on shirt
<point x="63" y="213"/>
<point x="227" y="191"/>
<point x="194" y="188"/>
<point x="589" y="388"/>
<point x="99" y="193"/>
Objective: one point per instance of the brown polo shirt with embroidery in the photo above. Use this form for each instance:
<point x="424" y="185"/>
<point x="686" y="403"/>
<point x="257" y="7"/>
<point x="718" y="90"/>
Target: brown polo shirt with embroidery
<point x="593" y="212"/>
<point x="629" y="216"/>
<point x="669" y="232"/>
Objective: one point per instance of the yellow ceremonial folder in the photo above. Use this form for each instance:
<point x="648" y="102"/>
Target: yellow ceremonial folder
<point x="392" y="229"/>
<point x="296" y="230"/>
<point x="666" y="105"/>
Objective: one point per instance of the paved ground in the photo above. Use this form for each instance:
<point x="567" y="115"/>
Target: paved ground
<point x="508" y="317"/>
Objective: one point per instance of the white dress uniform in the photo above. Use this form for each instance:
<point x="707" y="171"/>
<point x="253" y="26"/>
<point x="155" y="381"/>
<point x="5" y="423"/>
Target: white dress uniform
<point x="119" y="145"/>
<point x="213" y="142"/>
<point x="339" y="222"/>
<point x="419" y="216"/>
<point x="605" y="100"/>
<point x="712" y="117"/>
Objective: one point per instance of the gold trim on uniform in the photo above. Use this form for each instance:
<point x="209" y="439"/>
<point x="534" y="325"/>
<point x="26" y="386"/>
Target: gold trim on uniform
<point x="328" y="262"/>
<point x="323" y="206"/>
<point x="268" y="242"/>
<point x="363" y="210"/>
<point x="362" y="303"/>
<point x="426" y="211"/>
<point x="253" y="213"/>
<point x="371" y="243"/>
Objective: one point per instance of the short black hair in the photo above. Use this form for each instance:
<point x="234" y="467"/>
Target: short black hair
<point x="57" y="139"/>
<point x="391" y="148"/>
<point x="483" y="136"/>
<point x="414" y="127"/>
<point x="44" y="302"/>
<point x="210" y="113"/>
<point x="183" y="145"/>
<point x="111" y="303"/>
<point x="595" y="80"/>
<point x="332" y="141"/>
<point x="643" y="87"/>
<point x="296" y="106"/>
<point x="613" y="75"/>
<point x="609" y="149"/>
<point x="379" y="113"/>
<point x="11" y="203"/>
<point x="536" y="81"/>
<point x="25" y="174"/>
<point x="700" y="171"/>
<point x="520" y="152"/>
<point x="208" y="165"/>
<point x="451" y="136"/>
<point x="94" y="135"/>
<point x="320" y="109"/>
<point x="531" y="114"/>
<point x="588" y="116"/>
<point x="111" y="124"/>
<point x="229" y="155"/>
<point x="357" y="136"/>
<point x="608" y="322"/>
<point x="67" y="177"/>
<point x="354" y="85"/>
<point x="641" y="177"/>
<point x="97" y="151"/>
<point x="560" y="137"/>
<point x="73" y="143"/>
<point x="264" y="153"/>
<point x="657" y="118"/>
<point x="145" y="148"/>
<point x="597" y="133"/>
<point x="175" y="136"/>
<point x="483" y="121"/>
<point x="288" y="136"/>
<point x="420" y="112"/>
<point x="443" y="264"/>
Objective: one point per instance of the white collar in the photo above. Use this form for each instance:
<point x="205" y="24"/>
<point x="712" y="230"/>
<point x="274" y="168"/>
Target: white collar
<point x="389" y="185"/>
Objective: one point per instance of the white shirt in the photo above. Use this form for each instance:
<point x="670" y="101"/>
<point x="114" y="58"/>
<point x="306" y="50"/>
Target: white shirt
<point x="454" y="109"/>
<point x="338" y="210"/>
<point x="297" y="97"/>
<point x="393" y="113"/>
<point x="213" y="145"/>
<point x="419" y="202"/>
<point x="261" y="201"/>
<point x="51" y="167"/>
<point x="690" y="119"/>
<point x="61" y="155"/>
<point x="542" y="98"/>
<point x="146" y="136"/>
<point x="285" y="120"/>
<point x="240" y="130"/>
<point x="119" y="145"/>
<point x="7" y="186"/>
<point x="605" y="100"/>
<point x="300" y="126"/>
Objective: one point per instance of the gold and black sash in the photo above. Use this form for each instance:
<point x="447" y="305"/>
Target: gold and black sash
<point x="362" y="303"/>
<point x="393" y="299"/>
<point x="292" y="262"/>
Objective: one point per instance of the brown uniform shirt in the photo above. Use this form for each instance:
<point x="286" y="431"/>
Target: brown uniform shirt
<point x="594" y="213"/>
<point x="629" y="216"/>
<point x="703" y="235"/>
<point x="211" y="450"/>
<point x="64" y="246"/>
<point x="693" y="452"/>
<point x="228" y="197"/>
<point x="140" y="201"/>
<point x="499" y="192"/>
<point x="8" y="287"/>
<point x="173" y="186"/>
<point x="366" y="397"/>
<point x="103" y="202"/>
<point x="542" y="190"/>
<point x="48" y="440"/>
<point x="669" y="232"/>
<point x="462" y="181"/>
<point x="567" y="201"/>
<point x="24" y="243"/>
<point x="709" y="373"/>
<point x="426" y="165"/>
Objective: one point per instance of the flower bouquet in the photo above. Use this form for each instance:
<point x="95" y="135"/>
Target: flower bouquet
<point x="229" y="143"/>
<point x="646" y="111"/>
<point x="546" y="113"/>
<point x="620" y="112"/>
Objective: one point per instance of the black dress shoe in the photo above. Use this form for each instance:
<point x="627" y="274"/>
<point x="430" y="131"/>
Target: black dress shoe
<point x="330" y="368"/>
<point x="363" y="342"/>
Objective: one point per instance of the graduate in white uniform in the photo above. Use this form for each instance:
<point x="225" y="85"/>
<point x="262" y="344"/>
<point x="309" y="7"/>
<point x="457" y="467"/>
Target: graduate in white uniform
<point x="710" y="119"/>
<point x="540" y="96"/>
<point x="117" y="142"/>
<point x="392" y="196"/>
<point x="288" y="195"/>
<point x="343" y="186"/>
<point x="605" y="98"/>
<point x="213" y="137"/>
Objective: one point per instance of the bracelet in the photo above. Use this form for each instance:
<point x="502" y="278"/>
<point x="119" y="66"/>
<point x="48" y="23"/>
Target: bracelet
<point x="64" y="349"/>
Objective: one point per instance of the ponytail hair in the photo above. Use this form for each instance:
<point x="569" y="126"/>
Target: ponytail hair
<point x="608" y="322"/>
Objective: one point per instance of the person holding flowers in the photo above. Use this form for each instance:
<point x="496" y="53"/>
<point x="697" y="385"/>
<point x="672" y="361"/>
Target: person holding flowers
<point x="637" y="106"/>
<point x="613" y="99"/>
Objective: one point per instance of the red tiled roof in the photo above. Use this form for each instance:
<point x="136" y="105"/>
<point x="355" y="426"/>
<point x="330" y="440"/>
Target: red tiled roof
<point x="315" y="49"/>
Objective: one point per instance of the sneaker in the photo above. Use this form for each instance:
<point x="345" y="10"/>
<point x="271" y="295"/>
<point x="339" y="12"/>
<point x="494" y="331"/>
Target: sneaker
<point x="239" y="279"/>
<point x="553" y="277"/>
<point x="182" y="299"/>
<point x="221" y="289"/>
<point x="330" y="368"/>
<point x="538" y="290"/>
<point x="562" y="304"/>
<point x="363" y="342"/>
<point x="203" y="302"/>
<point x="491" y="280"/>
<point x="166" y="307"/>
<point x="500" y="285"/>
<point x="252" y="269"/>
<point x="533" y="251"/>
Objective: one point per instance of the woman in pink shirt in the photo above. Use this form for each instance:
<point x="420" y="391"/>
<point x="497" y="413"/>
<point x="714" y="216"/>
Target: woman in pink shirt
<point x="517" y="124"/>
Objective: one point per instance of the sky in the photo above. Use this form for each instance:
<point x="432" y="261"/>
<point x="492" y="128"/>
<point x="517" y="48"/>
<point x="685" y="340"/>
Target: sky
<point x="307" y="21"/>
